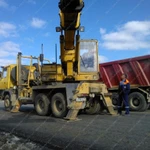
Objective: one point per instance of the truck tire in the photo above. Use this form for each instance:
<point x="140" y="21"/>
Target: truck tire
<point x="7" y="102"/>
<point x="24" y="74"/>
<point x="137" y="102"/>
<point x="58" y="105"/>
<point x="114" y="98"/>
<point x="148" y="106"/>
<point x="94" y="108"/>
<point x="42" y="105"/>
<point x="145" y="107"/>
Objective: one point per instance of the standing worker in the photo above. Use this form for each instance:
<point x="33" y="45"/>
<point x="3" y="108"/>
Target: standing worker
<point x="124" y="89"/>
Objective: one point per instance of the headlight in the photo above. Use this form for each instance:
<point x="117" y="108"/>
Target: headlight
<point x="95" y="77"/>
<point x="14" y="87"/>
<point x="92" y="95"/>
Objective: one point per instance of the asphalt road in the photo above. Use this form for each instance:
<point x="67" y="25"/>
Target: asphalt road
<point x="93" y="132"/>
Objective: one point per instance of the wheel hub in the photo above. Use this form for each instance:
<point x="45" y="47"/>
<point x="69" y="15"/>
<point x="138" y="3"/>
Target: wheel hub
<point x="136" y="101"/>
<point x="59" y="105"/>
<point x="41" y="104"/>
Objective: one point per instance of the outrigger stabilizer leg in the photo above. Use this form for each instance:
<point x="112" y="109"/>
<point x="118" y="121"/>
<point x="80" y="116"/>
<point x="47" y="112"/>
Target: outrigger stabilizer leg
<point x="16" y="107"/>
<point x="109" y="105"/>
<point x="74" y="108"/>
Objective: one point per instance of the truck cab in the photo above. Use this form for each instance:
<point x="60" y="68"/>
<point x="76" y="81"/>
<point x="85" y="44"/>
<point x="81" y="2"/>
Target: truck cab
<point x="9" y="83"/>
<point x="6" y="82"/>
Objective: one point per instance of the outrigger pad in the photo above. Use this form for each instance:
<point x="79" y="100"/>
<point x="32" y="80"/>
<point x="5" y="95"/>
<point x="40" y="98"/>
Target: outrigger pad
<point x="16" y="107"/>
<point x="109" y="105"/>
<point x="74" y="109"/>
<point x="72" y="114"/>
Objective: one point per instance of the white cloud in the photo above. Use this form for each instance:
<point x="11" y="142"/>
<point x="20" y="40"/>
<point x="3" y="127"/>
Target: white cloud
<point x="22" y="27"/>
<point x="47" y="34"/>
<point x="7" y="30"/>
<point x="5" y="62"/>
<point x="102" y="30"/>
<point x="37" y="23"/>
<point x="9" y="49"/>
<point x="3" y="4"/>
<point x="102" y="59"/>
<point x="133" y="35"/>
<point x="30" y="39"/>
<point x="32" y="2"/>
<point x="8" y="52"/>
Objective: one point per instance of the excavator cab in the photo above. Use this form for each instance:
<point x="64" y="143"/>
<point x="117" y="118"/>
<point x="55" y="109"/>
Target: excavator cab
<point x="88" y="62"/>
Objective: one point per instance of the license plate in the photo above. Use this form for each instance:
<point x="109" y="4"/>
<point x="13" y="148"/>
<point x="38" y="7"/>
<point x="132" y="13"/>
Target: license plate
<point x="80" y="99"/>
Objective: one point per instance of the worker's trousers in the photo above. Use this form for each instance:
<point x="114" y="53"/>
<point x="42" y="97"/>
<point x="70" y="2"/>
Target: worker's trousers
<point x="123" y="98"/>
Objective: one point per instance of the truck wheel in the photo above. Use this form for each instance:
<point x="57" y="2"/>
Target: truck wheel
<point x="7" y="103"/>
<point x="148" y="106"/>
<point x="94" y="108"/>
<point x="42" y="104"/>
<point x="114" y="99"/>
<point x="137" y="102"/>
<point x="145" y="106"/>
<point x="58" y="105"/>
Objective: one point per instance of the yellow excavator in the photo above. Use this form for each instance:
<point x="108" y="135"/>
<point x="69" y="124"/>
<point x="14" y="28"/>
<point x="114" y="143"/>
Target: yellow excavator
<point x="72" y="85"/>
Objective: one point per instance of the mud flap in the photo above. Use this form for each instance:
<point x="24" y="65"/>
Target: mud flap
<point x="74" y="107"/>
<point x="16" y="107"/>
<point x="109" y="105"/>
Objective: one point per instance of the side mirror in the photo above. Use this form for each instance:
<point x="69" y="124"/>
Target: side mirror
<point x="1" y="74"/>
<point x="41" y="57"/>
<point x="58" y="29"/>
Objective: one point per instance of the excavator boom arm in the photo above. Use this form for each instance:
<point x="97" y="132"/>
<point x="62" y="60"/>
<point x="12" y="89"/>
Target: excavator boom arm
<point x="70" y="11"/>
<point x="70" y="14"/>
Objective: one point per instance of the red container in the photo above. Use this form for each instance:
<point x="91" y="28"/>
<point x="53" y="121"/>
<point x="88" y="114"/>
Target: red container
<point x="137" y="70"/>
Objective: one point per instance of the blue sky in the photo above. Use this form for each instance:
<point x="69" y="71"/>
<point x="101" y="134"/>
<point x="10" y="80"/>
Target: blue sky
<point x="122" y="28"/>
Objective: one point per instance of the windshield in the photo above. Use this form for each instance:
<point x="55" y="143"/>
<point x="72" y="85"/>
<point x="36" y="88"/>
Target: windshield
<point x="88" y="56"/>
<point x="3" y="72"/>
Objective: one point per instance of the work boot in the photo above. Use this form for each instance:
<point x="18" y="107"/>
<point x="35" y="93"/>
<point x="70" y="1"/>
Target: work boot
<point x="119" y="111"/>
<point x="127" y="111"/>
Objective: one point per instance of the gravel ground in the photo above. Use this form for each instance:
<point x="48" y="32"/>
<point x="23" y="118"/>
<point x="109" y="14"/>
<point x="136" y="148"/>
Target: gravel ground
<point x="11" y="142"/>
<point x="92" y="132"/>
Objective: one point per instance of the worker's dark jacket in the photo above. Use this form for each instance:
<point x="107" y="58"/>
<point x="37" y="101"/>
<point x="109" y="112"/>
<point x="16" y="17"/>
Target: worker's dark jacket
<point x="124" y="87"/>
<point x="123" y="91"/>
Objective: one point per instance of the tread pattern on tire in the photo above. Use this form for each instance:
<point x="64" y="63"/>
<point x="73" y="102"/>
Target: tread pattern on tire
<point x="143" y="102"/>
<point x="46" y="110"/>
<point x="10" y="106"/>
<point x="55" y="111"/>
<point x="94" y="110"/>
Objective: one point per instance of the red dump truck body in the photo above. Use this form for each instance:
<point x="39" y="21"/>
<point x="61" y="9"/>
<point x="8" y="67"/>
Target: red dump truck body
<point x="137" y="69"/>
<point x="138" y="72"/>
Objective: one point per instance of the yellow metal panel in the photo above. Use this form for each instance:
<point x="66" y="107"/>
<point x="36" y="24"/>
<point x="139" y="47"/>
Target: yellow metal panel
<point x="85" y="88"/>
<point x="69" y="55"/>
<point x="61" y="18"/>
<point x="69" y="68"/>
<point x="52" y="69"/>
<point x="78" y="21"/>
<point x="85" y="77"/>
<point x="8" y="77"/>
<point x="55" y="77"/>
<point x="69" y="39"/>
